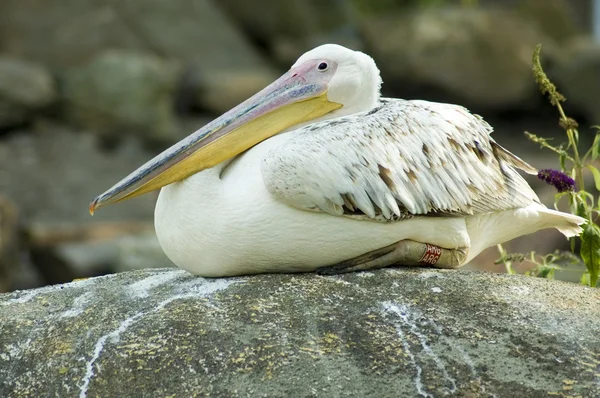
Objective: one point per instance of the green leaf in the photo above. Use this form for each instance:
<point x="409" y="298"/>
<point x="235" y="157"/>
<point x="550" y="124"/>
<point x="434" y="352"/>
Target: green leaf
<point x="596" y="174"/>
<point x="585" y="201"/>
<point x="581" y="209"/>
<point x="558" y="196"/>
<point x="585" y="279"/>
<point x="596" y="147"/>
<point x="590" y="251"/>
<point x="563" y="161"/>
<point x="546" y="272"/>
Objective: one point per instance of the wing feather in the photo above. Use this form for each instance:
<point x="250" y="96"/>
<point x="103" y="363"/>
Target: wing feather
<point x="402" y="159"/>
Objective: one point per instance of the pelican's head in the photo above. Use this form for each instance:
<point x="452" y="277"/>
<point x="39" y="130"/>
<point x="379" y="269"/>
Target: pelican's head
<point x="326" y="82"/>
<point x="354" y="82"/>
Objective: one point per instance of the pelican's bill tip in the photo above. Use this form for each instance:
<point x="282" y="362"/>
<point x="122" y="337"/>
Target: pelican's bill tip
<point x="94" y="205"/>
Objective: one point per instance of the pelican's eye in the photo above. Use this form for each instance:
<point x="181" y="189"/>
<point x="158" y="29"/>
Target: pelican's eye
<point x="323" y="66"/>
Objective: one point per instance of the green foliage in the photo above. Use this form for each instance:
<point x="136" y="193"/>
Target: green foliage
<point x="590" y="251"/>
<point x="544" y="266"/>
<point x="581" y="202"/>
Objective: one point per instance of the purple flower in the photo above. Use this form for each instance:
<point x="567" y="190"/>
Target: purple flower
<point x="558" y="179"/>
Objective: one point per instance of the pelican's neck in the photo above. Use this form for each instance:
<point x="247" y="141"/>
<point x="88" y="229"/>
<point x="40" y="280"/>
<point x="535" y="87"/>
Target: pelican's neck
<point x="367" y="103"/>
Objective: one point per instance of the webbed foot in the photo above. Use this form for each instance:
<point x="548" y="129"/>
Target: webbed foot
<point x="405" y="252"/>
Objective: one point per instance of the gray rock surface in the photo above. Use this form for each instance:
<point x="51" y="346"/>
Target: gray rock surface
<point x="289" y="28"/>
<point x="218" y="91"/>
<point x="119" y="254"/>
<point x="65" y="33"/>
<point x="25" y="87"/>
<point x="123" y="93"/>
<point x="479" y="56"/>
<point x="390" y="333"/>
<point x="139" y="252"/>
<point x="50" y="175"/>
<point x="9" y="243"/>
<point x="577" y="76"/>
<point x="53" y="174"/>
<point x="556" y="18"/>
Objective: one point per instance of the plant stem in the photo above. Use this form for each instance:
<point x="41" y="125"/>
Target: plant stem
<point x="576" y="158"/>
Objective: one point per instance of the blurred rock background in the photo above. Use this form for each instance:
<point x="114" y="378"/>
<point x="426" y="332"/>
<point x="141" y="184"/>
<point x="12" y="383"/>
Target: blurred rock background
<point x="89" y="90"/>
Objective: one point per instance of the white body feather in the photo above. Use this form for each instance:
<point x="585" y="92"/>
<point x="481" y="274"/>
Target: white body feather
<point x="317" y="195"/>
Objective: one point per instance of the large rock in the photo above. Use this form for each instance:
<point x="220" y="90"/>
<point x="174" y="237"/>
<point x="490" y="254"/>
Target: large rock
<point x="123" y="252"/>
<point x="288" y="29"/>
<point x="476" y="56"/>
<point x="50" y="176"/>
<point x="556" y="18"/>
<point x="64" y="33"/>
<point x="577" y="75"/>
<point x="24" y="89"/>
<point x="123" y="92"/>
<point x="285" y="30"/>
<point x="217" y="91"/>
<point x="53" y="174"/>
<point x="9" y="243"/>
<point x="139" y="252"/>
<point x="390" y="333"/>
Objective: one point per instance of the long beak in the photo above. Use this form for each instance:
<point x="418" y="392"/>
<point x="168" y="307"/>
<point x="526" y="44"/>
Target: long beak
<point x="287" y="101"/>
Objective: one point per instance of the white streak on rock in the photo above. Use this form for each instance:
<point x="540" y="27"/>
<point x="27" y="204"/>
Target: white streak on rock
<point x="78" y="305"/>
<point x="418" y="383"/>
<point x="28" y="296"/>
<point x="468" y="361"/>
<point x="431" y="274"/>
<point x="89" y="367"/>
<point x="197" y="288"/>
<point x="521" y="290"/>
<point x="141" y="289"/>
<point x="365" y="274"/>
<point x="454" y="344"/>
<point x="23" y="299"/>
<point x="203" y="287"/>
<point x="404" y="313"/>
<point x="15" y="351"/>
<point x="405" y="316"/>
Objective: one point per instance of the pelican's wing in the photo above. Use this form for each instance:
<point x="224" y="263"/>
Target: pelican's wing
<point x="402" y="159"/>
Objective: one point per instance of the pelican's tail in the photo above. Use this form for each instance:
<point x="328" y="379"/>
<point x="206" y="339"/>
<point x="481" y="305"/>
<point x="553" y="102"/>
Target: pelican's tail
<point x="490" y="229"/>
<point x="536" y="217"/>
<point x="568" y="224"/>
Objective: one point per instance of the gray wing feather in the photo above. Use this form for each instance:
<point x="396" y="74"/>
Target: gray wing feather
<point x="402" y="159"/>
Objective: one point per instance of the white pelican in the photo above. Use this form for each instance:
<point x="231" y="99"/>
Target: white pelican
<point x="317" y="172"/>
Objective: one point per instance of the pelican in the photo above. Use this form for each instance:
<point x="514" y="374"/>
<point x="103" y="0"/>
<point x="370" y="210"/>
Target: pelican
<point x="317" y="172"/>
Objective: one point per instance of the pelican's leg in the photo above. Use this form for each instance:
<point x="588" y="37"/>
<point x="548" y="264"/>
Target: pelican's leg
<point x="405" y="252"/>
